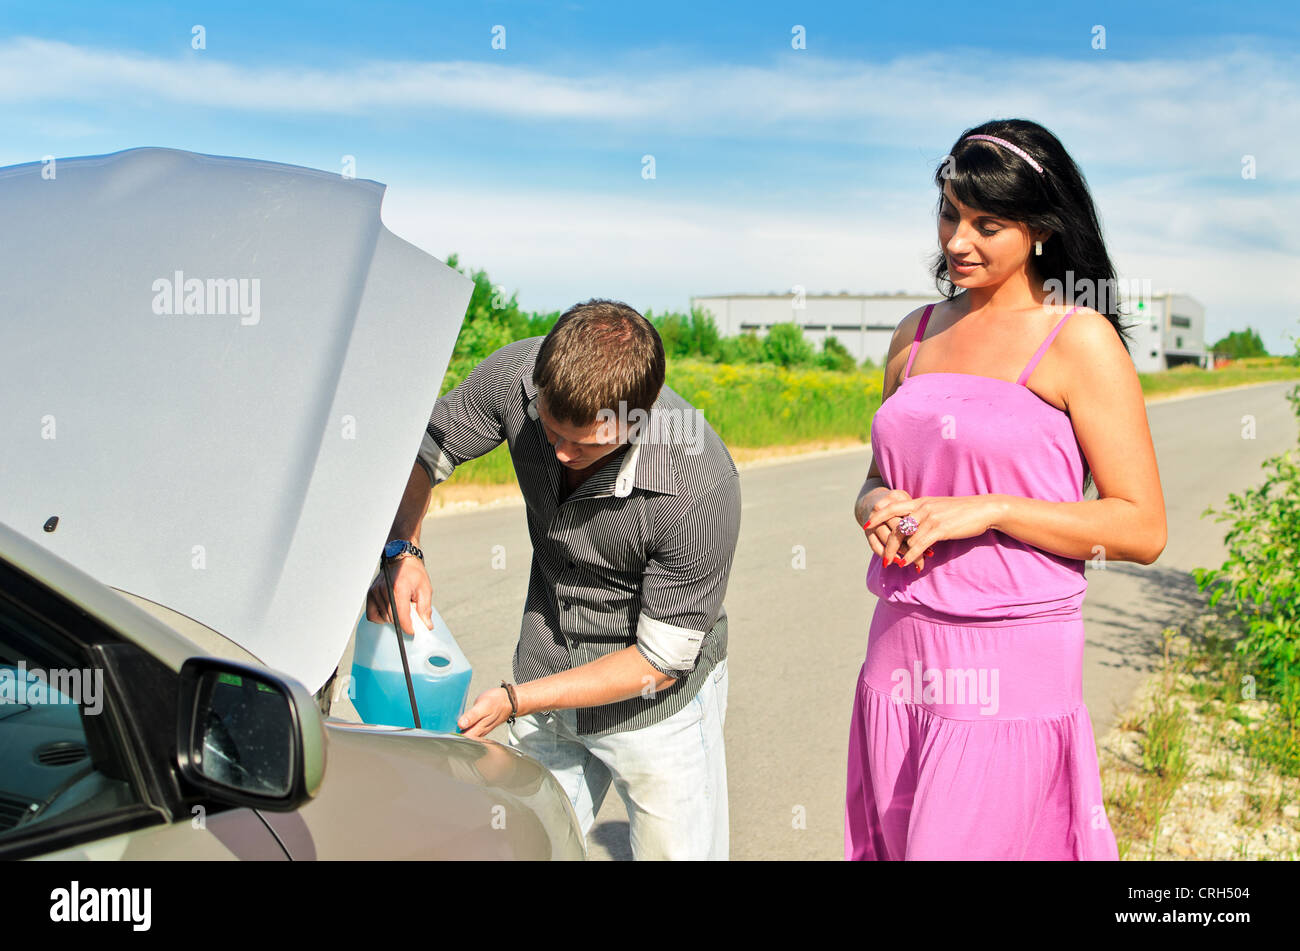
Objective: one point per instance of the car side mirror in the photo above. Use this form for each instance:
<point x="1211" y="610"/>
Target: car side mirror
<point x="248" y="737"/>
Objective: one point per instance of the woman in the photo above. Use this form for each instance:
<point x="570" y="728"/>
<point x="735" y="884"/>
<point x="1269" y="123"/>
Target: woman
<point x="969" y="736"/>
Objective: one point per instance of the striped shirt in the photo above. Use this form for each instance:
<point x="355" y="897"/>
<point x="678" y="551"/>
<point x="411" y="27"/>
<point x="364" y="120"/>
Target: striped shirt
<point x="639" y="554"/>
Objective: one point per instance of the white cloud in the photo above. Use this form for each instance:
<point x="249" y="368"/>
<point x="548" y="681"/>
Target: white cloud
<point x="33" y="70"/>
<point x="1176" y="112"/>
<point x="558" y="248"/>
<point x="1161" y="141"/>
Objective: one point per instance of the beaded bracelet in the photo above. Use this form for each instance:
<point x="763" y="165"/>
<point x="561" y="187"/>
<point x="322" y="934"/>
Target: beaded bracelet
<point x="514" y="705"/>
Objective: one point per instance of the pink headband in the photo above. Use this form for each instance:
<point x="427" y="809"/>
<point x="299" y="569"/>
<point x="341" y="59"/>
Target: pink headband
<point x="1014" y="148"/>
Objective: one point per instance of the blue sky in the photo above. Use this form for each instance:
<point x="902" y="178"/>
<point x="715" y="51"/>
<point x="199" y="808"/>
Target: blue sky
<point x="774" y="166"/>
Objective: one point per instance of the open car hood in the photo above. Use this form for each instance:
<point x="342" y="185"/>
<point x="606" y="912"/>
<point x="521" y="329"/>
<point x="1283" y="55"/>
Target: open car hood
<point x="216" y="373"/>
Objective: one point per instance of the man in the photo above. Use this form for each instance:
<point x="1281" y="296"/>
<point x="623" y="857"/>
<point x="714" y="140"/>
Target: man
<point x="621" y="662"/>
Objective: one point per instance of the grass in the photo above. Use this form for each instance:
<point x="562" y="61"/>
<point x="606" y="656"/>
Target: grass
<point x="1136" y="807"/>
<point x="1215" y="681"/>
<point x="757" y="405"/>
<point x="1236" y="373"/>
<point x="747" y="406"/>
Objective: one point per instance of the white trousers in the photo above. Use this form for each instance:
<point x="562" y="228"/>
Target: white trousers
<point x="672" y="776"/>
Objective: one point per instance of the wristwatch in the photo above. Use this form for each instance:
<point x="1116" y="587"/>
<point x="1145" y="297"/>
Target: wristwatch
<point x="399" y="548"/>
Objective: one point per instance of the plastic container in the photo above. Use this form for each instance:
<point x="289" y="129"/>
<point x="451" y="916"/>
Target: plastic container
<point x="439" y="672"/>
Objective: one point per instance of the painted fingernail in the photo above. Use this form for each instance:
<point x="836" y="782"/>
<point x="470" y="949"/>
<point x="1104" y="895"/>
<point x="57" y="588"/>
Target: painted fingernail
<point x="929" y="553"/>
<point x="918" y="568"/>
<point x="866" y="527"/>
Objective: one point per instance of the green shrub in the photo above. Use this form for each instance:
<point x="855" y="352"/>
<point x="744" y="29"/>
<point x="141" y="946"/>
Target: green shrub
<point x="687" y="335"/>
<point x="741" y="349"/>
<point x="785" y="346"/>
<point x="835" y="356"/>
<point x="1259" y="580"/>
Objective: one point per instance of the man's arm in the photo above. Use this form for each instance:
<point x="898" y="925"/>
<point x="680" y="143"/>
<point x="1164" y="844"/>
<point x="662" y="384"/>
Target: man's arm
<point x="409" y="521"/>
<point x="618" y="676"/>
<point x="621" y="675"/>
<point x="681" y="599"/>
<point x="686" y="579"/>
<point x="410" y="580"/>
<point x="466" y="423"/>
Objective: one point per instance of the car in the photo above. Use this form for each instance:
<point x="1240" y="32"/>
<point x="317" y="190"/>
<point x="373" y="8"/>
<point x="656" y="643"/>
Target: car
<point x="217" y="372"/>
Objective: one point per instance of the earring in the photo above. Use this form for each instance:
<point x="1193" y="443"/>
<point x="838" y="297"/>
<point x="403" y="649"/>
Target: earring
<point x="1038" y="248"/>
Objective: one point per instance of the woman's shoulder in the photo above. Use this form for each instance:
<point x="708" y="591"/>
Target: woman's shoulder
<point x="1089" y="349"/>
<point x="901" y="343"/>
<point x="1087" y="333"/>
<point x="906" y="330"/>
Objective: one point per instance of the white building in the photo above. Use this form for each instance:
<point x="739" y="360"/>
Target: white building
<point x="864" y="323"/>
<point x="1166" y="328"/>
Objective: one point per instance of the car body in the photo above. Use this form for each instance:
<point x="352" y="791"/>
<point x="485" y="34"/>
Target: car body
<point x="217" y="374"/>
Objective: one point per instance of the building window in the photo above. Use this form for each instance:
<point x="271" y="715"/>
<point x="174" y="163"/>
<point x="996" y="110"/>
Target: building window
<point x="1180" y="321"/>
<point x="1155" y="353"/>
<point x="1178" y="342"/>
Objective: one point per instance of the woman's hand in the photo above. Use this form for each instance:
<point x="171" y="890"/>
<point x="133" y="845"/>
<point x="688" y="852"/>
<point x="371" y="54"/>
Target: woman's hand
<point x="884" y="541"/>
<point x="938" y="517"/>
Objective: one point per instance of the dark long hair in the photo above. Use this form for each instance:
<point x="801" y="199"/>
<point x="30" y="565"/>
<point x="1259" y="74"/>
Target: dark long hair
<point x="993" y="179"/>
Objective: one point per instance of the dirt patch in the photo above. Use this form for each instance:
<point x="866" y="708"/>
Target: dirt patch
<point x="768" y="455"/>
<point x="464" y="497"/>
<point x="1186" y="391"/>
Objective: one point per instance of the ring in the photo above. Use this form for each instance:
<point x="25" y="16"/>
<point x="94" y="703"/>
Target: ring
<point x="907" y="526"/>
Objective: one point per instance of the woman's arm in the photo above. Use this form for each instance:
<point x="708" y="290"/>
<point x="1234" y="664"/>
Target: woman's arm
<point x="1111" y="527"/>
<point x="874" y="488"/>
<point x="1104" y="398"/>
<point x="871" y="492"/>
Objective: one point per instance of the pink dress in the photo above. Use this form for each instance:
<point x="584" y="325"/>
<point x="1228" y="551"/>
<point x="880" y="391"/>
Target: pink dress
<point x="970" y="738"/>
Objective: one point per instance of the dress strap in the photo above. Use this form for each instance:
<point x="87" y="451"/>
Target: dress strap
<point x="920" y="332"/>
<point x="1033" y="362"/>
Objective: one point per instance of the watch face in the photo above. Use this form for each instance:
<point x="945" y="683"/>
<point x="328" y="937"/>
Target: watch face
<point x="394" y="548"/>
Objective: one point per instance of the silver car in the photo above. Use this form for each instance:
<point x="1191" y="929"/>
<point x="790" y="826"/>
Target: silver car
<point x="216" y="373"/>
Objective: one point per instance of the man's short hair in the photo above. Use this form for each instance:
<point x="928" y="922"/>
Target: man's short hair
<point x="599" y="352"/>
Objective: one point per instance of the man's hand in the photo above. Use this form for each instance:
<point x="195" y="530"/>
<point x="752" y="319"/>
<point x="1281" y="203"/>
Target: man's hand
<point x="610" y="678"/>
<point x="410" y="584"/>
<point x="490" y="710"/>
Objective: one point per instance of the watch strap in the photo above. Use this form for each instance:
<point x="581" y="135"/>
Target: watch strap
<point x="407" y="549"/>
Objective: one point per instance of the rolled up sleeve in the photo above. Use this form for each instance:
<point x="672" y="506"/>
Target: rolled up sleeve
<point x="469" y="421"/>
<point x="685" y="581"/>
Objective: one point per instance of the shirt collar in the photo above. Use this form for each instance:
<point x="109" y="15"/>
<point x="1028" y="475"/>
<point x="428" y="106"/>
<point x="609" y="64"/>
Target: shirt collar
<point x="647" y="465"/>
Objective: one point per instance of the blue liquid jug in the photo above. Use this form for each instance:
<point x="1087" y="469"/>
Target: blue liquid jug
<point x="440" y="675"/>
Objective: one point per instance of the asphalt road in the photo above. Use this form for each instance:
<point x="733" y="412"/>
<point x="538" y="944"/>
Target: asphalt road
<point x="798" y="634"/>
